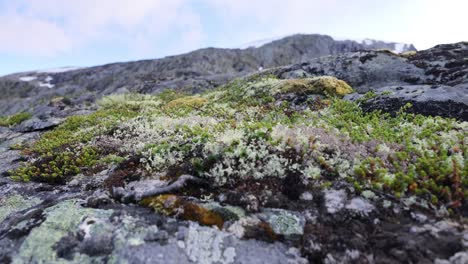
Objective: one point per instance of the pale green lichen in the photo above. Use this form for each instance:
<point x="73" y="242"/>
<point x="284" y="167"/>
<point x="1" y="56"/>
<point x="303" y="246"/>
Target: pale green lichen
<point x="14" y="203"/>
<point x="205" y="245"/>
<point x="61" y="219"/>
<point x="284" y="222"/>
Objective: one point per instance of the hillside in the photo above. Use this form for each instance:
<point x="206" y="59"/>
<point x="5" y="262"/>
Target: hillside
<point x="351" y="157"/>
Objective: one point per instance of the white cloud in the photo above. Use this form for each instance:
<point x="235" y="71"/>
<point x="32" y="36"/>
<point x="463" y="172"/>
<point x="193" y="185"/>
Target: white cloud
<point x="29" y="36"/>
<point x="52" y="27"/>
<point x="422" y="22"/>
<point x="149" y="28"/>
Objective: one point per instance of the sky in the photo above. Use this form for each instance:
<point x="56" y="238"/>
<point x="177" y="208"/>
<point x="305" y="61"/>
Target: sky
<point x="43" y="34"/>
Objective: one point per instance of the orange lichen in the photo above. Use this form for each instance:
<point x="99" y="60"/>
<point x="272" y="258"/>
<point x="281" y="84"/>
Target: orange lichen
<point x="177" y="206"/>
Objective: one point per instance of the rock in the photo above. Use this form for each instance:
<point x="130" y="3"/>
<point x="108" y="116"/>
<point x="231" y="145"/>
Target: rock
<point x="435" y="100"/>
<point x="334" y="200"/>
<point x="10" y="139"/>
<point x="360" y="206"/>
<point x="9" y="161"/>
<point x="433" y="80"/>
<point x="364" y="70"/>
<point x="36" y="124"/>
<point x="15" y="203"/>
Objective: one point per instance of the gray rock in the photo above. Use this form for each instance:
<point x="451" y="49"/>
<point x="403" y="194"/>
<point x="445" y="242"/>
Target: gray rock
<point x="8" y="161"/>
<point x="435" y="100"/>
<point x="36" y="124"/>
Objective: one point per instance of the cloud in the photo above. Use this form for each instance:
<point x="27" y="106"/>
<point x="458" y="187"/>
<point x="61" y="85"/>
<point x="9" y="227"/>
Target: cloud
<point x="154" y="28"/>
<point x="54" y="27"/>
<point x="29" y="36"/>
<point x="422" y="22"/>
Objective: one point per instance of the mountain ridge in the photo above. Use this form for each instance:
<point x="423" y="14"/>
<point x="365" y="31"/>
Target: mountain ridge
<point x="194" y="71"/>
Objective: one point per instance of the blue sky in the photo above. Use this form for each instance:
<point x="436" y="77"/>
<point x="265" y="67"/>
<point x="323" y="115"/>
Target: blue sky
<point x="41" y="34"/>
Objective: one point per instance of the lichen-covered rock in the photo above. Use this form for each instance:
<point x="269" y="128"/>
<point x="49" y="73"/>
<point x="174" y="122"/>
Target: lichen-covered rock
<point x="60" y="220"/>
<point x="285" y="223"/>
<point x="434" y="100"/>
<point x="14" y="203"/>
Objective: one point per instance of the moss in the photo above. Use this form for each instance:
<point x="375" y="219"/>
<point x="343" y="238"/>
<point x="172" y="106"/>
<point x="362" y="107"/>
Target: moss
<point x="15" y="119"/>
<point x="82" y="128"/>
<point x="326" y="85"/>
<point x="55" y="166"/>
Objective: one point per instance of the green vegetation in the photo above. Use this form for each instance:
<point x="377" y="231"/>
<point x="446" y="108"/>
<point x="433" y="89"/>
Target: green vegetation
<point x="12" y="120"/>
<point x="55" y="166"/>
<point x="251" y="130"/>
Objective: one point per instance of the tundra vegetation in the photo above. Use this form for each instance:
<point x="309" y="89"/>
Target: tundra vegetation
<point x="258" y="129"/>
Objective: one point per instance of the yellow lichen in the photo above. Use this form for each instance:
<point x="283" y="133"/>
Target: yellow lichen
<point x="188" y="102"/>
<point x="326" y="85"/>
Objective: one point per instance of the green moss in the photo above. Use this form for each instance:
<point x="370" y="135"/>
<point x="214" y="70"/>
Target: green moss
<point x="15" y="119"/>
<point x="83" y="128"/>
<point x="55" y="166"/>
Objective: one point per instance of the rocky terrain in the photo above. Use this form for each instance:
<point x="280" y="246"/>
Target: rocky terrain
<point x="195" y="71"/>
<point x="333" y="153"/>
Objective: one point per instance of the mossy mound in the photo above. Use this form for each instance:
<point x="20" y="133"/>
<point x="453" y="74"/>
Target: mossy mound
<point x="325" y="85"/>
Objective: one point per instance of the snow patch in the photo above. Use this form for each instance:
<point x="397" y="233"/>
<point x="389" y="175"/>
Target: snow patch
<point x="47" y="84"/>
<point x="28" y="78"/>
